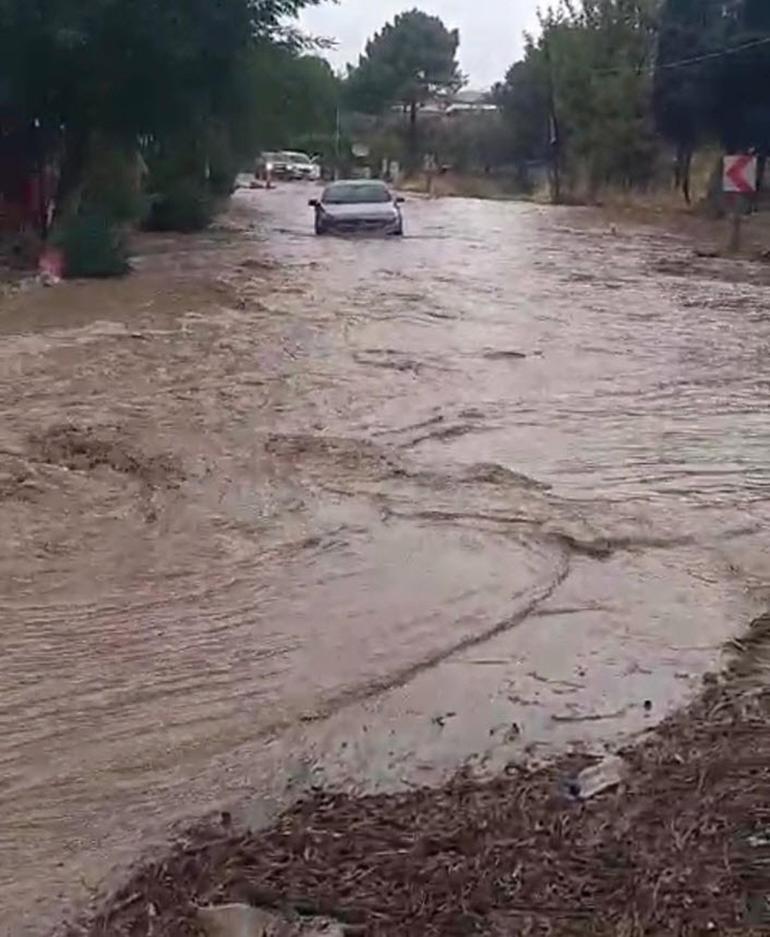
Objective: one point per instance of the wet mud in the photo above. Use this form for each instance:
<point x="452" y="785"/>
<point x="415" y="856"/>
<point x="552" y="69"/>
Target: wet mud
<point x="283" y="512"/>
<point x="679" y="846"/>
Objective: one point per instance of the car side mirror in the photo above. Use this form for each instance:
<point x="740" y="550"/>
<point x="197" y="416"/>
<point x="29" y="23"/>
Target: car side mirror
<point x="313" y="203"/>
<point x="400" y="200"/>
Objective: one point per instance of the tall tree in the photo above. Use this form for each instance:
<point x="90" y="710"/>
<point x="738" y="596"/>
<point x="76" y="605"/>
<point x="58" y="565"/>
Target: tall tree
<point x="582" y="93"/>
<point x="407" y="62"/>
<point x="685" y="81"/>
<point x="126" y="70"/>
<point x="523" y="100"/>
<point x="742" y="102"/>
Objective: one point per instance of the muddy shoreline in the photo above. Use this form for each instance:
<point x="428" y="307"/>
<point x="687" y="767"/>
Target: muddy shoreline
<point x="681" y="847"/>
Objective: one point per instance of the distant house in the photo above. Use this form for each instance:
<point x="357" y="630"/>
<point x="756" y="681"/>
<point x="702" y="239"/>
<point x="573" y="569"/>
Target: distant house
<point x="475" y="101"/>
<point x="461" y="102"/>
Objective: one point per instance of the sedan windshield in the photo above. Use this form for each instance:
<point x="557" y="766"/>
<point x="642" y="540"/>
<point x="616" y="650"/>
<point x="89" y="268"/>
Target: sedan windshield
<point x="352" y="194"/>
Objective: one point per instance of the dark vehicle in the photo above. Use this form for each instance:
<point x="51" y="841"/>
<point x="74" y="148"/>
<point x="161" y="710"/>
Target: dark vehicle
<point x="358" y="205"/>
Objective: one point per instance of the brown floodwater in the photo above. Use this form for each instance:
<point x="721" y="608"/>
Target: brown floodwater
<point x="281" y="510"/>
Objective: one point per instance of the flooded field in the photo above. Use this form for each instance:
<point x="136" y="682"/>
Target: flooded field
<point x="283" y="511"/>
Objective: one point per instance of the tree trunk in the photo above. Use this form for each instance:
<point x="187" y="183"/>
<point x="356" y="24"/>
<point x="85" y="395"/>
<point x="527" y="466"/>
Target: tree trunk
<point x="413" y="148"/>
<point x="71" y="175"/>
<point x="687" y="174"/>
<point x="683" y="170"/>
<point x="554" y="139"/>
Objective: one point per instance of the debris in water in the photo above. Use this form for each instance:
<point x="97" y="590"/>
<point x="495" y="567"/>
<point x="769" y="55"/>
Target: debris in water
<point x="51" y="267"/>
<point x="86" y="448"/>
<point x="513" y="732"/>
<point x="607" y="774"/>
<point x="440" y="720"/>
<point x="504" y="355"/>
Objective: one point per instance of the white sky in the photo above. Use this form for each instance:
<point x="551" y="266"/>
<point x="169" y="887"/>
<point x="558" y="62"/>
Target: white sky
<point x="490" y="30"/>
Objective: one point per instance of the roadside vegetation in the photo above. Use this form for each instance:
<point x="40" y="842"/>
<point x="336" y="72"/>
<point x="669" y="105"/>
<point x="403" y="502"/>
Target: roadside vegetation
<point x="625" y="92"/>
<point x="144" y="113"/>
<point x="610" y="95"/>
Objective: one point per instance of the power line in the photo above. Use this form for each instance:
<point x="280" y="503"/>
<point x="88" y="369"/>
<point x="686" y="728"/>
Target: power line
<point x="717" y="54"/>
<point x="686" y="63"/>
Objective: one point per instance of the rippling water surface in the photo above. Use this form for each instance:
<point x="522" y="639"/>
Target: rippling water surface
<point x="282" y="509"/>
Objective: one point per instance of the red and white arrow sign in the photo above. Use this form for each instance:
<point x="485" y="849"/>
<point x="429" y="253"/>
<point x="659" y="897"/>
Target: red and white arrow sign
<point x="740" y="174"/>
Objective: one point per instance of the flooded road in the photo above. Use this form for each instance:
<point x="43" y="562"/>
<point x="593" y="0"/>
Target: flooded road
<point x="283" y="510"/>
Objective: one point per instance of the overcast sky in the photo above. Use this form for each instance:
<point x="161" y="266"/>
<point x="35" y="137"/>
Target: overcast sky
<point x="490" y="30"/>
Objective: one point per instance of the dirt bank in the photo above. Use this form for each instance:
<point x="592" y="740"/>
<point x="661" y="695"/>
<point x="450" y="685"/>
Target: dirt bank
<point x="681" y="847"/>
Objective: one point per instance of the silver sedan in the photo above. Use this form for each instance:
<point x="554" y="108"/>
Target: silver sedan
<point x="358" y="205"/>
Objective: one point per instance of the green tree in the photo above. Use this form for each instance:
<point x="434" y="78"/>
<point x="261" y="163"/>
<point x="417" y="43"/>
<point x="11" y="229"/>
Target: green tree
<point x="685" y="79"/>
<point x="584" y="90"/>
<point x="407" y="62"/>
<point x="742" y="78"/>
<point x="523" y="100"/>
<point x="129" y="70"/>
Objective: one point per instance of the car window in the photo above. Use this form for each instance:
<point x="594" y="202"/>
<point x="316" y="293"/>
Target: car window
<point x="353" y="194"/>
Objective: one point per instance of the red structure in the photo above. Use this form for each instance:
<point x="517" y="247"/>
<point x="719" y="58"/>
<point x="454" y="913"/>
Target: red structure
<point x="27" y="182"/>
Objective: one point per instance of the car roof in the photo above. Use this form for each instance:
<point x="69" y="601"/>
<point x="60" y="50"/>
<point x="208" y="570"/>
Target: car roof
<point x="357" y="182"/>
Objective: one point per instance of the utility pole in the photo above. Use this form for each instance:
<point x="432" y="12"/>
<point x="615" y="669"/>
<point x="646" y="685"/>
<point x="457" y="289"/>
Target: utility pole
<point x="554" y="140"/>
<point x="337" y="142"/>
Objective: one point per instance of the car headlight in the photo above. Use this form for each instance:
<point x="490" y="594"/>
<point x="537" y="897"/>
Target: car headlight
<point x="269" y="167"/>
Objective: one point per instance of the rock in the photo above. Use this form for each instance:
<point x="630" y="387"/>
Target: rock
<point x="609" y="773"/>
<point x="241" y="920"/>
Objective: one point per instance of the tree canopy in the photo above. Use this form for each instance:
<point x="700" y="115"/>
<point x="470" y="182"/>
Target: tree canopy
<point x="581" y="94"/>
<point x="712" y="76"/>
<point x="209" y="78"/>
<point x="607" y="83"/>
<point x="407" y="62"/>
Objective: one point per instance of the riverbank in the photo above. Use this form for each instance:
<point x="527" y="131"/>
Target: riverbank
<point x="681" y="847"/>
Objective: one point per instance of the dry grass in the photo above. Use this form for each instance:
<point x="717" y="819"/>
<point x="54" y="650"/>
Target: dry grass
<point x="462" y="185"/>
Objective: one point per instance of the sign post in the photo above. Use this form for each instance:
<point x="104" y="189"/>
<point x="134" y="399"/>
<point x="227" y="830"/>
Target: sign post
<point x="739" y="181"/>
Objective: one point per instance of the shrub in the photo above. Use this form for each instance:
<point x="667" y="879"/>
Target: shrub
<point x="187" y="205"/>
<point x="113" y="183"/>
<point x="92" y="246"/>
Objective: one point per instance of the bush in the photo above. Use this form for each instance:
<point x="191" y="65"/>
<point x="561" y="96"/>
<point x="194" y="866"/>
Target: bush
<point x="112" y="183"/>
<point x="186" y="206"/>
<point x="92" y="246"/>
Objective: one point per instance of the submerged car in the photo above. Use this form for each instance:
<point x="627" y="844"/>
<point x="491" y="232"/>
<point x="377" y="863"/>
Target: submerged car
<point x="358" y="205"/>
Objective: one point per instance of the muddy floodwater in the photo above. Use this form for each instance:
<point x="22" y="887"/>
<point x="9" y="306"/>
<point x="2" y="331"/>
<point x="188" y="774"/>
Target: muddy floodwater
<point x="280" y="510"/>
